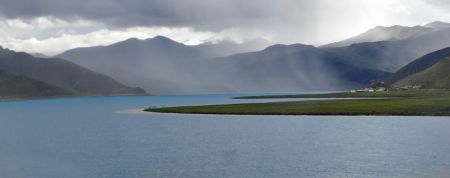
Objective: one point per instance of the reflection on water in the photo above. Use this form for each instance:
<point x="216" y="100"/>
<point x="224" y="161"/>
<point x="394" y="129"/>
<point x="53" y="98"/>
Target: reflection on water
<point x="89" y="137"/>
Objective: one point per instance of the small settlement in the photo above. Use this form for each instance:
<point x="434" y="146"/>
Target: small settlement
<point x="374" y="87"/>
<point x="383" y="87"/>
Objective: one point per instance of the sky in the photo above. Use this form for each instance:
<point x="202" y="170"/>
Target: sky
<point x="53" y="26"/>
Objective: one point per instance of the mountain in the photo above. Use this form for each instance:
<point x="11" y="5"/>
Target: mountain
<point x="435" y="77"/>
<point x="167" y="67"/>
<point x="438" y="25"/>
<point x="156" y="64"/>
<point x="289" y="68"/>
<point x="354" y="64"/>
<point x="390" y="56"/>
<point x="381" y="33"/>
<point x="164" y="66"/>
<point x="39" y="55"/>
<point x="62" y="74"/>
<point x="420" y="65"/>
<point x="226" y="48"/>
<point x="14" y="86"/>
<point x="159" y="64"/>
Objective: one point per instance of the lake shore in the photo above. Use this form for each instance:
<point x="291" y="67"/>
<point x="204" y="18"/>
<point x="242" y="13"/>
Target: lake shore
<point x="401" y="103"/>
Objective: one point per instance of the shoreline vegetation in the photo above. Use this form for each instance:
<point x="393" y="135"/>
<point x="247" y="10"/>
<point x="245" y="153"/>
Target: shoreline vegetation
<point x="393" y="103"/>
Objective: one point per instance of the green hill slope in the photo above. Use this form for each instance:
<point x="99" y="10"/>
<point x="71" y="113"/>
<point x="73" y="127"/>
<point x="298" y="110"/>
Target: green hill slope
<point x="435" y="77"/>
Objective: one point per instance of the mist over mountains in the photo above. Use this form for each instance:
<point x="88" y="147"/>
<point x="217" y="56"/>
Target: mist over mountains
<point x="160" y="65"/>
<point x="163" y="66"/>
<point x="393" y="33"/>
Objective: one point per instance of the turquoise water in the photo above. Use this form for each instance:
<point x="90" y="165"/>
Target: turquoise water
<point x="99" y="137"/>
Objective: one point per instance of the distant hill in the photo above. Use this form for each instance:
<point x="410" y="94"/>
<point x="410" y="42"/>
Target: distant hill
<point x="15" y="87"/>
<point x="381" y="33"/>
<point x="62" y="74"/>
<point x="435" y="77"/>
<point x="419" y="65"/>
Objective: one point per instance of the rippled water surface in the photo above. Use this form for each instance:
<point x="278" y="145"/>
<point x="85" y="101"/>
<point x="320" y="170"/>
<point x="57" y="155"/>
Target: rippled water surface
<point x="105" y="137"/>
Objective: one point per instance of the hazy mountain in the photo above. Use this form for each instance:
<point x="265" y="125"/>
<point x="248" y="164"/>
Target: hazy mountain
<point x="438" y="24"/>
<point x="435" y="77"/>
<point x="299" y="66"/>
<point x="381" y="33"/>
<point x="159" y="64"/>
<point x="420" y="65"/>
<point x="287" y="68"/>
<point x="15" y="86"/>
<point x="390" y="56"/>
<point x="165" y="66"/>
<point x="226" y="48"/>
<point x="39" y="55"/>
<point x="62" y="74"/>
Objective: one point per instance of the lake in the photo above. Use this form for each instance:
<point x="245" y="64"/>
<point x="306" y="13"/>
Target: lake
<point x="101" y="137"/>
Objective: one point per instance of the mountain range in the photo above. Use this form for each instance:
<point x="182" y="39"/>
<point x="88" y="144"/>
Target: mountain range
<point x="381" y="33"/>
<point x="163" y="66"/>
<point x="390" y="56"/>
<point x="393" y="33"/>
<point x="289" y="68"/>
<point x="160" y="65"/>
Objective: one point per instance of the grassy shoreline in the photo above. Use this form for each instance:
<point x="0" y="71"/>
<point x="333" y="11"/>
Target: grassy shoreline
<point x="412" y="103"/>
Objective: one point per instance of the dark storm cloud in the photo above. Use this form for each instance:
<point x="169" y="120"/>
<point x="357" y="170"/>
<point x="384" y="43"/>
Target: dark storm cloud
<point x="284" y="21"/>
<point x="202" y="14"/>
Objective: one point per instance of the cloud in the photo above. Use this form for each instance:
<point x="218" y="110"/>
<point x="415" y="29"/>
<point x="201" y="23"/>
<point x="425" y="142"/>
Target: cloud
<point x="278" y="19"/>
<point x="211" y="14"/>
<point x="52" y="36"/>
<point x="284" y="21"/>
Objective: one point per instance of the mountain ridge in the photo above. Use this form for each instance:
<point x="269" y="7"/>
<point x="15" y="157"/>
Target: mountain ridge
<point x="62" y="74"/>
<point x="382" y="33"/>
<point x="390" y="33"/>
